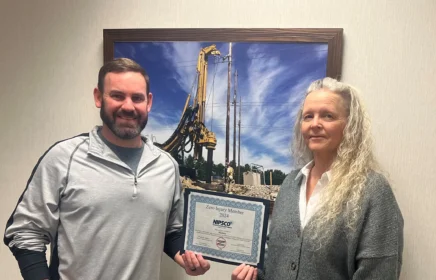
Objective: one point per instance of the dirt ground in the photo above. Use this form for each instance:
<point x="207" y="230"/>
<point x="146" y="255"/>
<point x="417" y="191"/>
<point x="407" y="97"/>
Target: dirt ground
<point x="265" y="192"/>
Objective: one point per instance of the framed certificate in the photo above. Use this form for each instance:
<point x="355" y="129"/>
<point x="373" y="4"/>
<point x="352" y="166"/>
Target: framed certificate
<point x="225" y="228"/>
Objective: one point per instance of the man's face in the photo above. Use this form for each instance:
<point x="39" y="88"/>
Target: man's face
<point x="124" y="104"/>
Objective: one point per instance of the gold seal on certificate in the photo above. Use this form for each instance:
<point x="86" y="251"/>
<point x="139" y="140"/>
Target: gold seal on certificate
<point x="225" y="228"/>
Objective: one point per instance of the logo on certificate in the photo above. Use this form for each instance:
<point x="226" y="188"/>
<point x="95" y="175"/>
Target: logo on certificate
<point x="220" y="242"/>
<point x="222" y="223"/>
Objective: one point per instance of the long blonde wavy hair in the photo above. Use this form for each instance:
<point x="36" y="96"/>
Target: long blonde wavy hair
<point x="353" y="162"/>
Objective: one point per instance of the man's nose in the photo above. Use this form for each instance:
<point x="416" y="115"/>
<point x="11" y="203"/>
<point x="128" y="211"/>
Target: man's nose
<point x="128" y="105"/>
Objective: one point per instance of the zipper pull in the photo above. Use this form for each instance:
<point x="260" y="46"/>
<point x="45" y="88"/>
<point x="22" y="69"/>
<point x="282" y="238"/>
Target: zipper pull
<point x="135" y="188"/>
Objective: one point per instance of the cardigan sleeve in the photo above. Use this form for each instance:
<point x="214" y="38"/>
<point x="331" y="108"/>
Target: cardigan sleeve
<point x="380" y="245"/>
<point x="286" y="182"/>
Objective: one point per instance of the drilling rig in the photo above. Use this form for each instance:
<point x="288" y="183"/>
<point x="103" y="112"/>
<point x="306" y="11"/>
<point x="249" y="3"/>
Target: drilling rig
<point x="191" y="131"/>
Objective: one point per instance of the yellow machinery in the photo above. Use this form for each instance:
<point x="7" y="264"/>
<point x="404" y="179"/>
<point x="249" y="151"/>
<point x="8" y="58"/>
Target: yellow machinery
<point x="191" y="131"/>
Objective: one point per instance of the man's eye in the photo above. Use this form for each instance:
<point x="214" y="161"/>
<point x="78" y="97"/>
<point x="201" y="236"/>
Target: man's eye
<point x="117" y="97"/>
<point x="137" y="98"/>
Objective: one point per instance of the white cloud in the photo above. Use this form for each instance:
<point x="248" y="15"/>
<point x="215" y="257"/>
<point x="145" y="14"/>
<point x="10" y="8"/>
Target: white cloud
<point x="131" y="52"/>
<point x="182" y="57"/>
<point x="321" y="51"/>
<point x="262" y="88"/>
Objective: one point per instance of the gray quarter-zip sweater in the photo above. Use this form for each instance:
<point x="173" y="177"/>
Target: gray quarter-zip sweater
<point x="372" y="252"/>
<point x="103" y="221"/>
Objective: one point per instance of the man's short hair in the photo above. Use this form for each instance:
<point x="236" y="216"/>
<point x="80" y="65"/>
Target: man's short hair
<point x="121" y="65"/>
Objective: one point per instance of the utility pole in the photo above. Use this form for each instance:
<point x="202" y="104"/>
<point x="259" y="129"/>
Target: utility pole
<point x="270" y="178"/>
<point x="228" y="103"/>
<point x="234" y="117"/>
<point x="239" y="142"/>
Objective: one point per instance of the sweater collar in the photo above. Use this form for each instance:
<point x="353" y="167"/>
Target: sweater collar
<point x="306" y="169"/>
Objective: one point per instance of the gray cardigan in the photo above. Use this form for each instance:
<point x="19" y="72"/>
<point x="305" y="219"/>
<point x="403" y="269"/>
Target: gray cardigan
<point x="373" y="251"/>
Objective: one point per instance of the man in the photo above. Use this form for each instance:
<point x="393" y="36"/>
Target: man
<point x="229" y="178"/>
<point x="108" y="201"/>
<point x="230" y="172"/>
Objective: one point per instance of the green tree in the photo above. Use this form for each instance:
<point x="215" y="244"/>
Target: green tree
<point x="218" y="169"/>
<point x="267" y="172"/>
<point x="189" y="161"/>
<point x="277" y="176"/>
<point x="200" y="166"/>
<point x="239" y="178"/>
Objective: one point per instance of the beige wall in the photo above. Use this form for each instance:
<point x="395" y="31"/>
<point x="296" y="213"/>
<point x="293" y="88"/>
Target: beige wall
<point x="50" y="52"/>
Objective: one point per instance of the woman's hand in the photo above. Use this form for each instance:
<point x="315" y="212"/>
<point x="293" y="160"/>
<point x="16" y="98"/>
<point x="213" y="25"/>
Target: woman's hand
<point x="244" y="272"/>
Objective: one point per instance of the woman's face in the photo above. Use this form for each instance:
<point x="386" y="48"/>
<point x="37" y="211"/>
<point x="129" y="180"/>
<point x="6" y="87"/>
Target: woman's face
<point x="323" y="121"/>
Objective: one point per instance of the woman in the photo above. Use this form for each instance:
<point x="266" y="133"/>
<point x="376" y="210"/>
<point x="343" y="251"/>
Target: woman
<point x="336" y="216"/>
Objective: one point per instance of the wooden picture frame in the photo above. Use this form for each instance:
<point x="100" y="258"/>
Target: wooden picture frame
<point x="332" y="37"/>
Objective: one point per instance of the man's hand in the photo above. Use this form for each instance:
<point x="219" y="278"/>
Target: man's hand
<point x="193" y="264"/>
<point x="244" y="272"/>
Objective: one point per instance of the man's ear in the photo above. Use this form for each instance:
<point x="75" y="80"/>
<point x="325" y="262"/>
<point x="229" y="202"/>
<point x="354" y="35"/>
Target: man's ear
<point x="98" y="96"/>
<point x="149" y="101"/>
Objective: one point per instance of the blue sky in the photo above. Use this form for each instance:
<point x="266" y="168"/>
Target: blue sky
<point x="272" y="79"/>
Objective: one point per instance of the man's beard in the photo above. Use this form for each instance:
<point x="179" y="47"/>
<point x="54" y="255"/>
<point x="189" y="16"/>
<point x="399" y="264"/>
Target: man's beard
<point x="123" y="131"/>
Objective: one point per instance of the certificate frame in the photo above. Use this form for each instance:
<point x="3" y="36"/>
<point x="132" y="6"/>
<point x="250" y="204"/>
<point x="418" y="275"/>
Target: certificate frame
<point x="191" y="197"/>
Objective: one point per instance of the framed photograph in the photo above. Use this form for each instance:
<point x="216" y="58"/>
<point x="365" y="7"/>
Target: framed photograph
<point x="231" y="92"/>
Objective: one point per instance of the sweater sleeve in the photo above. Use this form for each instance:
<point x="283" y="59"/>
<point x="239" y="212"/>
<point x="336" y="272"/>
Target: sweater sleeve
<point x="174" y="239"/>
<point x="173" y="243"/>
<point x="261" y="273"/>
<point x="34" y="222"/>
<point x="380" y="247"/>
